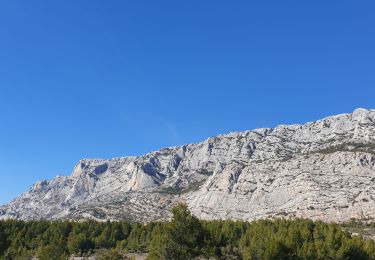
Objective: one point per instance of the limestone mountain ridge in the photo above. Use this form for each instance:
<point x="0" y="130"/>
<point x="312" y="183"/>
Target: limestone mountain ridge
<point x="320" y="170"/>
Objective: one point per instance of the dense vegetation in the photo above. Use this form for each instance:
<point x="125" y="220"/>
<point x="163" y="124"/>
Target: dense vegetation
<point x="184" y="237"/>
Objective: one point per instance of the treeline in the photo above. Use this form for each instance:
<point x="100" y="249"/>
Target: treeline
<point x="184" y="237"/>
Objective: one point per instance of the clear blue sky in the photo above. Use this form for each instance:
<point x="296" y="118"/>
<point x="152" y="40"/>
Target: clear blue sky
<point x="84" y="79"/>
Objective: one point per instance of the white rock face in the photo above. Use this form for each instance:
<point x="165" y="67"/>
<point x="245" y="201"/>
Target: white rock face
<point x="320" y="170"/>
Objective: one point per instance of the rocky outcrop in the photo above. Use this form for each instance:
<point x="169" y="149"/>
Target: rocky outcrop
<point x="320" y="170"/>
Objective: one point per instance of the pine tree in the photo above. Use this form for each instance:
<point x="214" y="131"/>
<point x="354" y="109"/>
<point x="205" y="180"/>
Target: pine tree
<point x="183" y="238"/>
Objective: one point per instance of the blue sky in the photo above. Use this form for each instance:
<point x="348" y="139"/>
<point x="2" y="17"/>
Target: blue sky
<point x="85" y="79"/>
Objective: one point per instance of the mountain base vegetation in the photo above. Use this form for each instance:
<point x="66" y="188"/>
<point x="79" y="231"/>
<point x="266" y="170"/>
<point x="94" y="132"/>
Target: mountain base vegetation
<point x="184" y="237"/>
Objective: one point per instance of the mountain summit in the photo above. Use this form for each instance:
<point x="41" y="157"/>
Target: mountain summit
<point x="319" y="170"/>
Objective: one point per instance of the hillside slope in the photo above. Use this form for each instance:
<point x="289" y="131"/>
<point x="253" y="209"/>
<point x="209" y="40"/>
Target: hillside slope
<point x="320" y="170"/>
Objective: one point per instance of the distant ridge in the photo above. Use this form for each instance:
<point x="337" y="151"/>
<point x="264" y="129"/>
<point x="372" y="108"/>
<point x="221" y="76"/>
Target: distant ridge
<point x="319" y="170"/>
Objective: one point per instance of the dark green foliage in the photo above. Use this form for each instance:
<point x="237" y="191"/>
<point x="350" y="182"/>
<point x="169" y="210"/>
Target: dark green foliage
<point x="185" y="237"/>
<point x="222" y="238"/>
<point x="181" y="239"/>
<point x="302" y="239"/>
<point x="52" y="251"/>
<point x="3" y="239"/>
<point x="79" y="243"/>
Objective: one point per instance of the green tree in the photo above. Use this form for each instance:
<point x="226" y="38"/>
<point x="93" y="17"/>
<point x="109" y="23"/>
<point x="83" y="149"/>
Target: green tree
<point x="158" y="245"/>
<point x="183" y="237"/>
<point x="79" y="244"/>
<point x="3" y="240"/>
<point x="52" y="251"/>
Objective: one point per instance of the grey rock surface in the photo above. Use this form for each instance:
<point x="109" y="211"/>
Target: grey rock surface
<point x="320" y="170"/>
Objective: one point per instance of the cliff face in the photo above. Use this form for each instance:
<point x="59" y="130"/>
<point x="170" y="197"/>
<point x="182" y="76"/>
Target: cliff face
<point x="320" y="170"/>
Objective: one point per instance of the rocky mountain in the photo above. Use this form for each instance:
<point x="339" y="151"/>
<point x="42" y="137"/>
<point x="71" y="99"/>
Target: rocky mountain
<point x="319" y="170"/>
